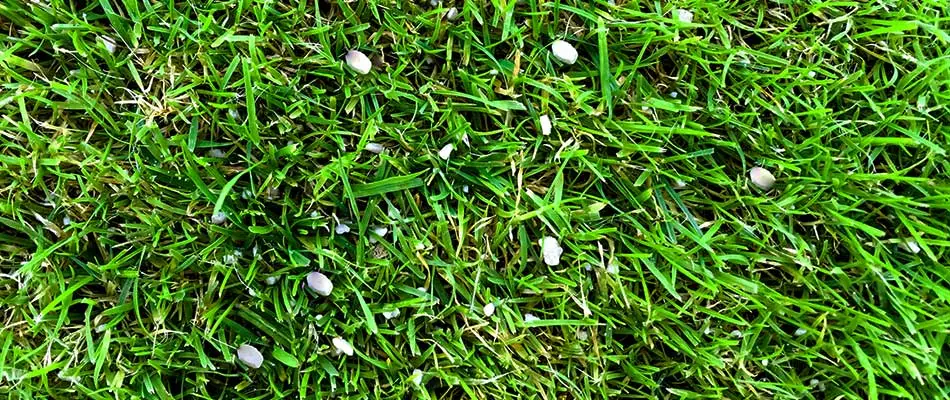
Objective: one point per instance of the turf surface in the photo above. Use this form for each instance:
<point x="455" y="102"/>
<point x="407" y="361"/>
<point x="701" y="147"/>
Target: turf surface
<point x="173" y="170"/>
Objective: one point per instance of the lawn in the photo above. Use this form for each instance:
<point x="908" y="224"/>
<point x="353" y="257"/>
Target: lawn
<point x="254" y="199"/>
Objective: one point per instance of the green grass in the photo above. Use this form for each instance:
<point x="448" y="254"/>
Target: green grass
<point x="679" y="279"/>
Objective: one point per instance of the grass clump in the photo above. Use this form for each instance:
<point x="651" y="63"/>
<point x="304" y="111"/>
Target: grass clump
<point x="172" y="172"/>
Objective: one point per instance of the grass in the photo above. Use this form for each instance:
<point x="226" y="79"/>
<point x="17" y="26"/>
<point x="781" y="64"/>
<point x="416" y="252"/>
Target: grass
<point x="127" y="125"/>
